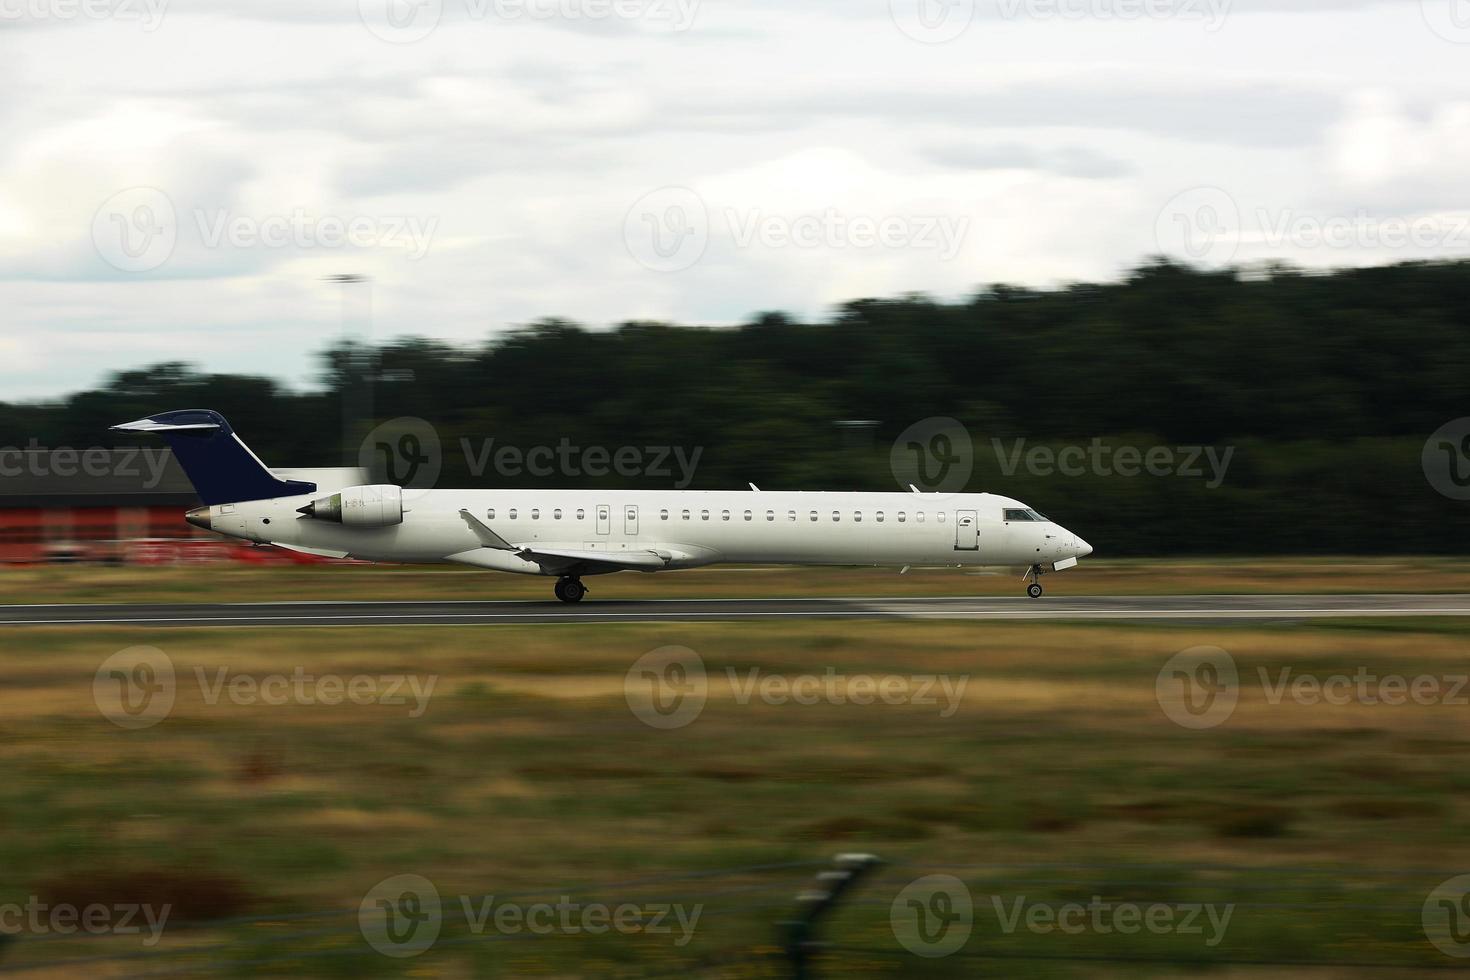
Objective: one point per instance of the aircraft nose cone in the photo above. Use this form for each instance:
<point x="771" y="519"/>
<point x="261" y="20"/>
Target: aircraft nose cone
<point x="1083" y="548"/>
<point x="199" y="517"/>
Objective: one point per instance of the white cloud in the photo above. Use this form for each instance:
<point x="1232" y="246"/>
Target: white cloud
<point x="523" y="142"/>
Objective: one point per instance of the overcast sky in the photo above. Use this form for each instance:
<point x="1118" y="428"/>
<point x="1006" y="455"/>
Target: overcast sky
<point x="178" y="177"/>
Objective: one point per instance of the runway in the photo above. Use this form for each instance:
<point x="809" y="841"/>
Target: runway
<point x="1201" y="609"/>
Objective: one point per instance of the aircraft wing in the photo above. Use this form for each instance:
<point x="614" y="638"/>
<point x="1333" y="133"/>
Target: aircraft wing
<point x="622" y="559"/>
<point x="555" y="557"/>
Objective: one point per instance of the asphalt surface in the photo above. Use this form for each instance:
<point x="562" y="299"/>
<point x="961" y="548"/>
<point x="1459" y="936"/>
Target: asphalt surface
<point x="1205" y="609"/>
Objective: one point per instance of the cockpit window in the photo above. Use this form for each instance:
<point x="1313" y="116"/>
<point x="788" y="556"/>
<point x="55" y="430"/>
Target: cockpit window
<point x="1036" y="515"/>
<point x="1019" y="515"/>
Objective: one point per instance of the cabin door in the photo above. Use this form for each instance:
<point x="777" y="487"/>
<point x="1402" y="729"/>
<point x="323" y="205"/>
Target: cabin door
<point x="966" y="531"/>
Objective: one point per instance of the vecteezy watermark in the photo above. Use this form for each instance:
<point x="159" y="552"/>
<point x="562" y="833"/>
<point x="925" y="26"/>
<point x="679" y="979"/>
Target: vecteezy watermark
<point x="1446" y="459"/>
<point x="403" y="916"/>
<point x="668" y="688"/>
<point x="38" y="918"/>
<point x="1211" y="13"/>
<point x="408" y="452"/>
<point x="301" y="229"/>
<point x="405" y="451"/>
<point x="138" y="688"/>
<point x="1098" y="458"/>
<point x="1207" y="226"/>
<point x="566" y="459"/>
<point x="669" y="230"/>
<point x="1450" y="19"/>
<point x="933" y="916"/>
<point x="935" y="455"/>
<point x="1200" y="688"/>
<point x="1446" y="917"/>
<point x="138" y="230"/>
<point x="942" y="691"/>
<point x="835" y="231"/>
<point x="146" y="465"/>
<point x="1103" y="917"/>
<point x="147" y="13"/>
<point x="932" y="21"/>
<point x="135" y="688"/>
<point x="408" y="21"/>
<point x="1364" y="686"/>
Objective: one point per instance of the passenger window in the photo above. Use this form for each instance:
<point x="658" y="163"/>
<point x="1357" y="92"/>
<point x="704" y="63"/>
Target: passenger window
<point x="770" y="515"/>
<point x="724" y="515"/>
<point x="491" y="514"/>
<point x="939" y="517"/>
<point x="581" y="514"/>
<point x="879" y="517"/>
<point x="857" y="517"/>
<point x="686" y="515"/>
<point x="748" y="515"/>
<point x="704" y="515"/>
<point x="791" y="515"/>
<point x="512" y="513"/>
<point x="535" y="513"/>
<point x="919" y="517"/>
<point x="902" y="517"/>
<point x="836" y="515"/>
<point x="557" y="514"/>
<point x="663" y="515"/>
<point x="814" y="516"/>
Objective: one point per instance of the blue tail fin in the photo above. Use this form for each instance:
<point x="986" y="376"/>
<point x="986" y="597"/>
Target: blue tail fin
<point x="221" y="467"/>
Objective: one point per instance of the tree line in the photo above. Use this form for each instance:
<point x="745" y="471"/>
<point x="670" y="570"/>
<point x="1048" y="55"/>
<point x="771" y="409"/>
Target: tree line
<point x="1173" y="411"/>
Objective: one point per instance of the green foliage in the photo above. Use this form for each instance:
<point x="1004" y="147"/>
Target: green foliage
<point x="1326" y="386"/>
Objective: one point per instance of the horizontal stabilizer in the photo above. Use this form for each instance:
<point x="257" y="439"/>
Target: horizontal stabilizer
<point x="318" y="552"/>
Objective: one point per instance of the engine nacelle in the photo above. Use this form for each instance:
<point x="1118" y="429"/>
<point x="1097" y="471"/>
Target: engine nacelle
<point x="380" y="506"/>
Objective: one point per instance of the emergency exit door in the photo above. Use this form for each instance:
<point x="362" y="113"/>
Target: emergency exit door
<point x="630" y="520"/>
<point x="604" y="519"/>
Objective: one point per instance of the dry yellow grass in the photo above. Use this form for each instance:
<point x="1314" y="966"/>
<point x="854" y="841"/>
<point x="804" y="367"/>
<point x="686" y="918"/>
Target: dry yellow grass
<point x="230" y="583"/>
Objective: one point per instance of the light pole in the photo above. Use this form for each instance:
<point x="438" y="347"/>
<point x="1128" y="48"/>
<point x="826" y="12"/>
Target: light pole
<point x="358" y="367"/>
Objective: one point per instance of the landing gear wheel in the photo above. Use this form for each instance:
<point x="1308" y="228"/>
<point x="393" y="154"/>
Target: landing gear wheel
<point x="1033" y="574"/>
<point x="570" y="590"/>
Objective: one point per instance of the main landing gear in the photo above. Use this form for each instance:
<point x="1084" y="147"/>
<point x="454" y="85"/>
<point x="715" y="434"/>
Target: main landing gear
<point x="569" y="589"/>
<point x="1034" y="590"/>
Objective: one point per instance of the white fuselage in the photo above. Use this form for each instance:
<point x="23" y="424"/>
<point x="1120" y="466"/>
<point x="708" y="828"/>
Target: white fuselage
<point x="683" y="529"/>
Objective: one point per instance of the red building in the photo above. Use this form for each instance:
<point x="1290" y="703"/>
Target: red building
<point x="100" y="505"/>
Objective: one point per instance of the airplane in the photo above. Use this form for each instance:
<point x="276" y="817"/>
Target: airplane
<point x="570" y="534"/>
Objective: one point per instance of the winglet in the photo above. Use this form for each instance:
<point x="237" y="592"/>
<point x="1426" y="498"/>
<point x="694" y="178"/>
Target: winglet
<point x="487" y="537"/>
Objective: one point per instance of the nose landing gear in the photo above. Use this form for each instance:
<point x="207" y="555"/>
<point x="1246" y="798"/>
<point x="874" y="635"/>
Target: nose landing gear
<point x="569" y="589"/>
<point x="1034" y="590"/>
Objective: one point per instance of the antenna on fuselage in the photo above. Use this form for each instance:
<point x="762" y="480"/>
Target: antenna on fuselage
<point x="755" y="488"/>
<point x="916" y="490"/>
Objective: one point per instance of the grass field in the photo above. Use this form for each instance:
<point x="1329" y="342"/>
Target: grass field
<point x="1056" y="777"/>
<point x="230" y="583"/>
